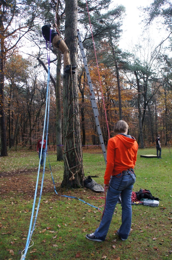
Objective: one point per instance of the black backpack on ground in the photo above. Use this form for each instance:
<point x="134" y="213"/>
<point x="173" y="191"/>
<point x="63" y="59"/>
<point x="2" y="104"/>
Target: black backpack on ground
<point x="144" y="193"/>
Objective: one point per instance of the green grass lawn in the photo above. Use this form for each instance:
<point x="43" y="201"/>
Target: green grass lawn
<point x="62" y="223"/>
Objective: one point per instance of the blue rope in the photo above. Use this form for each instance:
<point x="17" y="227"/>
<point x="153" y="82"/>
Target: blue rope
<point x="66" y="195"/>
<point x="46" y="125"/>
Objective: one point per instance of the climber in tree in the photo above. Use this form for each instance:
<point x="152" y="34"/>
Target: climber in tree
<point x="59" y="43"/>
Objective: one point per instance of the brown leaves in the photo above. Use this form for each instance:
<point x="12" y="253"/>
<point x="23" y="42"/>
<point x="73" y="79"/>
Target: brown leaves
<point x="78" y="254"/>
<point x="33" y="251"/>
<point x="11" y="252"/>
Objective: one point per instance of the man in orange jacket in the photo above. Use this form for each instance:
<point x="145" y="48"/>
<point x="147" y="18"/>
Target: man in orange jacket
<point x="118" y="179"/>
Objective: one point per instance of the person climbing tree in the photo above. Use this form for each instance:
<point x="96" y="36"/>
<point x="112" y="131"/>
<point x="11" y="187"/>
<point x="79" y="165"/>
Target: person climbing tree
<point x="59" y="43"/>
<point x="118" y="179"/>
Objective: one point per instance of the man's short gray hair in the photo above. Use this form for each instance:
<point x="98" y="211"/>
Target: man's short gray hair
<point x="121" y="126"/>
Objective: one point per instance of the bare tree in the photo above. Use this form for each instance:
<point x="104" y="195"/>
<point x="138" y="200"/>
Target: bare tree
<point x="10" y="36"/>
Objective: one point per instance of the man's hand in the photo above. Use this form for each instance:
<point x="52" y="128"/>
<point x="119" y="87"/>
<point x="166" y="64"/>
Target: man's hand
<point x="106" y="187"/>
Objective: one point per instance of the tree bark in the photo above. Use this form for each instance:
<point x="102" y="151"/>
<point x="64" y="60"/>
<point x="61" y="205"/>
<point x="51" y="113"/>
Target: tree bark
<point x="141" y="142"/>
<point x="82" y="91"/>
<point x="58" y="111"/>
<point x="73" y="159"/>
<point x="118" y="78"/>
<point x="151" y="123"/>
<point x="2" y="112"/>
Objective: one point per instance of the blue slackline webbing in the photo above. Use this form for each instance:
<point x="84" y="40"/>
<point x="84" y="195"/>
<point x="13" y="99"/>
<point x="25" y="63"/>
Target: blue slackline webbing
<point x="46" y="124"/>
<point x="66" y="195"/>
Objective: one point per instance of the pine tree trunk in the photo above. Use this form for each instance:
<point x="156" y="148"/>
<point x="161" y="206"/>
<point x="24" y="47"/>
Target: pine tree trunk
<point x="73" y="159"/>
<point x="2" y="114"/>
<point x="58" y="113"/>
<point x="140" y="139"/>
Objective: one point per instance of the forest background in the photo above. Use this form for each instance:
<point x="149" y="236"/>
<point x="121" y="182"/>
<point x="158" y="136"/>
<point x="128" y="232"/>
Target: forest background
<point x="137" y="85"/>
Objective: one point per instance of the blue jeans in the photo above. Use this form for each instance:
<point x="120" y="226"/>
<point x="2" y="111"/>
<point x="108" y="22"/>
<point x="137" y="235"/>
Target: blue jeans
<point x="43" y="156"/>
<point x="120" y="184"/>
<point x="158" y="149"/>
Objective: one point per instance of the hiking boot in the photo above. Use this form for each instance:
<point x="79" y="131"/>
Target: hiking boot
<point x="93" y="238"/>
<point x="68" y="69"/>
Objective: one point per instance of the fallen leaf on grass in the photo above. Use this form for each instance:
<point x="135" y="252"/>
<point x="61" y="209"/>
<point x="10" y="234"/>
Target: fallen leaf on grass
<point x="55" y="245"/>
<point x="78" y="254"/>
<point x="11" y="252"/>
<point x="104" y="257"/>
<point x="43" y="230"/>
<point x="33" y="251"/>
<point x="113" y="246"/>
<point x="155" y="248"/>
<point x="154" y="238"/>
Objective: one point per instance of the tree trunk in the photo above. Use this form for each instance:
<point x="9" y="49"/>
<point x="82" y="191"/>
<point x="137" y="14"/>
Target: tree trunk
<point x="141" y="142"/>
<point x="151" y="124"/>
<point x="166" y="116"/>
<point x="9" y="119"/>
<point x="118" y="78"/>
<point x="2" y="114"/>
<point x="58" y="112"/>
<point x="119" y="90"/>
<point x="73" y="159"/>
<point x="82" y="91"/>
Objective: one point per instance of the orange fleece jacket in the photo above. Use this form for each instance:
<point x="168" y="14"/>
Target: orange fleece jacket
<point x="121" y="155"/>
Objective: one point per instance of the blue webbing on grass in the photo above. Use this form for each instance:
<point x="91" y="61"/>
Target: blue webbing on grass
<point x="66" y="196"/>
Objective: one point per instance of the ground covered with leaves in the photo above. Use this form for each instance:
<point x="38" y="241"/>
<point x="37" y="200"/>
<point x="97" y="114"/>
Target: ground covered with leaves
<point x="62" y="222"/>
